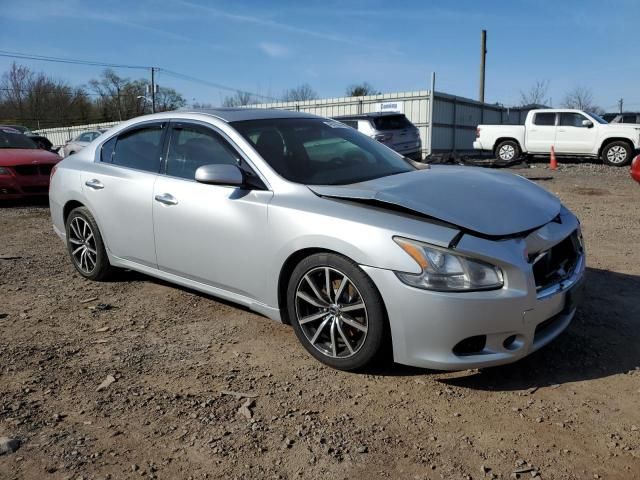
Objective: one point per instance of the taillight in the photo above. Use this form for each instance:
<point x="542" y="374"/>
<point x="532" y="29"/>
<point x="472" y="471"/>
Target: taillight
<point x="477" y="132"/>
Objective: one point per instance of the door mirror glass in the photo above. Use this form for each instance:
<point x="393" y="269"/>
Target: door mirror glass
<point x="587" y="123"/>
<point x="220" y="174"/>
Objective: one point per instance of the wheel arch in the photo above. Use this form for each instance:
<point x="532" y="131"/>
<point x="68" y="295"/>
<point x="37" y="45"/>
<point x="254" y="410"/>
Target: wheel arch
<point x="69" y="207"/>
<point x="605" y="143"/>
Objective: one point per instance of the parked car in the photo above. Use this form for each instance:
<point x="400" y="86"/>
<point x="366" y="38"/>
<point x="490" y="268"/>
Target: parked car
<point x="81" y="141"/>
<point x="622" y="117"/>
<point x="392" y="129"/>
<point x="40" y="140"/>
<point x="635" y="169"/>
<point x="314" y="224"/>
<point x="571" y="132"/>
<point x="24" y="168"/>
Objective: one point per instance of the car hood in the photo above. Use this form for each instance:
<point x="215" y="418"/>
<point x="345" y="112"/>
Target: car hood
<point x="486" y="202"/>
<point x="26" y="156"/>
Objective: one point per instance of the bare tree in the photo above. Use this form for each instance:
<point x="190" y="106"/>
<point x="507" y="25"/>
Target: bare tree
<point x="536" y="95"/>
<point x="361" y="90"/>
<point x="168" y="99"/>
<point x="299" y="94"/>
<point x="582" y="99"/>
<point x="239" y="99"/>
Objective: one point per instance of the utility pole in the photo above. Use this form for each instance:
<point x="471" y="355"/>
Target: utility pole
<point x="483" y="57"/>
<point x="620" y="102"/>
<point x="153" y="90"/>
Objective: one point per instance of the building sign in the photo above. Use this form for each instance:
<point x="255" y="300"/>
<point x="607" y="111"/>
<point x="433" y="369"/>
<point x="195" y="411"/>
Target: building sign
<point x="397" y="107"/>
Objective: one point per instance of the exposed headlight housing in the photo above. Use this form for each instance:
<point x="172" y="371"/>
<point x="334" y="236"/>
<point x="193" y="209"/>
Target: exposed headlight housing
<point x="445" y="271"/>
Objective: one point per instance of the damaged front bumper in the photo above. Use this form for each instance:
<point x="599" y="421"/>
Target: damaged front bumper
<point x="462" y="330"/>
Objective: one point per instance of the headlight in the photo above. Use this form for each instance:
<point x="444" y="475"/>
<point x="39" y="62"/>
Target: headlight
<point x="445" y="271"/>
<point x="5" y="171"/>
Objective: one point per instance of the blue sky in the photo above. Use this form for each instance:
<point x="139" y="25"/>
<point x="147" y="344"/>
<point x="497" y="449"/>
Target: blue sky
<point x="268" y="46"/>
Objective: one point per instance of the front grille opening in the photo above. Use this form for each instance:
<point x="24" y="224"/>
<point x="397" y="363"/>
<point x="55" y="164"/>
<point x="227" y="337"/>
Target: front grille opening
<point x="470" y="346"/>
<point x="557" y="263"/>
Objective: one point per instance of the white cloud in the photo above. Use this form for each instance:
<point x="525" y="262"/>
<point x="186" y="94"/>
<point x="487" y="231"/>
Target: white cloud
<point x="274" y="50"/>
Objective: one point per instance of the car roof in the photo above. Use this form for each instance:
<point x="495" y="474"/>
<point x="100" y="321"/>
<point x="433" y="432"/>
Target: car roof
<point x="368" y="115"/>
<point x="9" y="129"/>
<point x="241" y="114"/>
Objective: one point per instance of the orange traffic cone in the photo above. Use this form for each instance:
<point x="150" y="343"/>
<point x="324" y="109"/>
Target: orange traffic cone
<point x="553" y="162"/>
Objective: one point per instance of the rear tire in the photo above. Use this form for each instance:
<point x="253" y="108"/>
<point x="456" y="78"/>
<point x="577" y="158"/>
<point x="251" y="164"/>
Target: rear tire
<point x="507" y="151"/>
<point x="617" y="154"/>
<point x="344" y="328"/>
<point x="85" y="245"/>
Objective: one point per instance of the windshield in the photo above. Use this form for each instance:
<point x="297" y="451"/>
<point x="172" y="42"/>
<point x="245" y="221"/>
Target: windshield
<point x="597" y="118"/>
<point x="320" y="152"/>
<point x="15" y="140"/>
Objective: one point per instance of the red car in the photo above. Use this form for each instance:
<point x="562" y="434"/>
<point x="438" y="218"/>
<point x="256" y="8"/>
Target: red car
<point x="635" y="169"/>
<point x="24" y="168"/>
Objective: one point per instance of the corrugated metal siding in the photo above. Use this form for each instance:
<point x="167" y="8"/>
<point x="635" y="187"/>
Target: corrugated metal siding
<point x="454" y="118"/>
<point x="59" y="136"/>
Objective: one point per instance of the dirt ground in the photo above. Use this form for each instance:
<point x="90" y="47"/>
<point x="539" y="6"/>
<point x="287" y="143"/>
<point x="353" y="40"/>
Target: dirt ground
<point x="571" y="410"/>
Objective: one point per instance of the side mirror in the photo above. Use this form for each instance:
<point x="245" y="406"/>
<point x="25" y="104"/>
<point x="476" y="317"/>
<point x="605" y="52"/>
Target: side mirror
<point x="587" y="123"/>
<point x="229" y="175"/>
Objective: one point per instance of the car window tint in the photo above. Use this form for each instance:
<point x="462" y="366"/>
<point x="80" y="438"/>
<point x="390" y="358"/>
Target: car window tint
<point x="86" y="137"/>
<point x="544" y="119"/>
<point x="391" y="122"/>
<point x="571" y="119"/>
<point x="106" y="153"/>
<point x="350" y="123"/>
<point x="139" y="149"/>
<point x="628" y="119"/>
<point x="191" y="147"/>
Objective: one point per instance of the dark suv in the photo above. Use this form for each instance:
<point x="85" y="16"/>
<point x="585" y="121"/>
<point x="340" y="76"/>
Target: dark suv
<point x="392" y="129"/>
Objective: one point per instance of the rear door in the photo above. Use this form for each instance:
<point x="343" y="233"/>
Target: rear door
<point x="541" y="133"/>
<point x="211" y="234"/>
<point x="572" y="137"/>
<point x="118" y="189"/>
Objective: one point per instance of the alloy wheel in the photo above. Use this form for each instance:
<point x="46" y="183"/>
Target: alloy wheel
<point x="331" y="312"/>
<point x="507" y="152"/>
<point x="617" y="154"/>
<point x="83" y="245"/>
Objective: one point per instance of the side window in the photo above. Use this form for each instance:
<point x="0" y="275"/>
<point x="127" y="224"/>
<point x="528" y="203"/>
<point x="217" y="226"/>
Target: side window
<point x="350" y="123"/>
<point x="192" y="146"/>
<point x="628" y="119"/>
<point x="545" y="119"/>
<point x="572" y="119"/>
<point x="106" y="153"/>
<point x="139" y="149"/>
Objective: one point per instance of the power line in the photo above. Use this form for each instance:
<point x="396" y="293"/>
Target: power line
<point x="213" y="84"/>
<point x="44" y="58"/>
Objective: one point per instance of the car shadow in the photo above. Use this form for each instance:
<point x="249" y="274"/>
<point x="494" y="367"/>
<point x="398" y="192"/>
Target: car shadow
<point x="602" y="340"/>
<point x="29" y="202"/>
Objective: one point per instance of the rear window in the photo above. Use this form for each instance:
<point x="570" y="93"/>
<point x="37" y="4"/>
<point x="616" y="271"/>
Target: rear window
<point x="391" y="122"/>
<point x="545" y="119"/>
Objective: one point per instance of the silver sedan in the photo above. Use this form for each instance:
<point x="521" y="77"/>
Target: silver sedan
<point x="314" y="224"/>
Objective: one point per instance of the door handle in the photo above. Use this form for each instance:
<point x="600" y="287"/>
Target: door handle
<point x="167" y="199"/>
<point x="94" y="183"/>
<point x="561" y="130"/>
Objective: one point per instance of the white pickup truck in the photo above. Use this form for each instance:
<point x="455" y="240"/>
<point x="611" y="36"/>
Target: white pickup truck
<point x="570" y="132"/>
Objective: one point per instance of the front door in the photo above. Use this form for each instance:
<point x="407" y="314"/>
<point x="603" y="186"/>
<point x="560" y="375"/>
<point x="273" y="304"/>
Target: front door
<point x="572" y="136"/>
<point x="210" y="234"/>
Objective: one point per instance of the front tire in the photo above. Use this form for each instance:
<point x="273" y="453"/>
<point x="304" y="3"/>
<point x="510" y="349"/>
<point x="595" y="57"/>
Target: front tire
<point x="617" y="154"/>
<point x="336" y="311"/>
<point x="507" y="151"/>
<point x="85" y="245"/>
